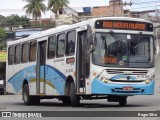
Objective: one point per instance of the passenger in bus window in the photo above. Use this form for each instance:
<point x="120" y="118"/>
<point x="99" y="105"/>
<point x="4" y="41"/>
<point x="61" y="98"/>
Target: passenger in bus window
<point x="133" y="47"/>
<point x="71" y="47"/>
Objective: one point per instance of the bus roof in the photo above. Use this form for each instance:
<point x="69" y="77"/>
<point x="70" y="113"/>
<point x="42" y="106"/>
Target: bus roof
<point x="69" y="27"/>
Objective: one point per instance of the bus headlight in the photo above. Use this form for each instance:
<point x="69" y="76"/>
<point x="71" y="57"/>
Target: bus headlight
<point x="103" y="79"/>
<point x="149" y="80"/>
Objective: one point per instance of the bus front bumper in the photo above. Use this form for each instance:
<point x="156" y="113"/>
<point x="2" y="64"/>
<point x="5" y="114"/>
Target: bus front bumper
<point x="99" y="87"/>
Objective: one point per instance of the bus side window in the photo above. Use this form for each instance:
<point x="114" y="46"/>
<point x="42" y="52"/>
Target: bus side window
<point x="51" y="47"/>
<point x="25" y="52"/>
<point x="11" y="55"/>
<point x="17" y="54"/>
<point x="60" y="45"/>
<point x="33" y="49"/>
<point x="70" y="43"/>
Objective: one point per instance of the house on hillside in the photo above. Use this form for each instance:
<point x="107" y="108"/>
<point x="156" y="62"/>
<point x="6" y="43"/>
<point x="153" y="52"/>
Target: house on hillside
<point x="67" y="15"/>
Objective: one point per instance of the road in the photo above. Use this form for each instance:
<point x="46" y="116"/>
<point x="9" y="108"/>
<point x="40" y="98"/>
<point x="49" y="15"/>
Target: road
<point x="135" y="103"/>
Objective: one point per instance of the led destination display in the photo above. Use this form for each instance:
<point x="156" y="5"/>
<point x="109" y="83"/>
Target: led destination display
<point x="123" y="25"/>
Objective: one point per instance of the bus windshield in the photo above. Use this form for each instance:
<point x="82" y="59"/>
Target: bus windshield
<point x="123" y="50"/>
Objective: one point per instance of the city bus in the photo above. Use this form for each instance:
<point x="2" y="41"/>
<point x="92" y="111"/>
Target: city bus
<point x="108" y="58"/>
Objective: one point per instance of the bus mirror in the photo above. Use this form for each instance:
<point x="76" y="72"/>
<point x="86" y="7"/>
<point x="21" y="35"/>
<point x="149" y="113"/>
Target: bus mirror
<point x="92" y="48"/>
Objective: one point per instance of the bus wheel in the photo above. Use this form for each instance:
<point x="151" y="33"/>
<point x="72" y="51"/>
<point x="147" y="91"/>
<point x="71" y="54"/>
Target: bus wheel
<point x="122" y="101"/>
<point x="2" y="92"/>
<point x="26" y="97"/>
<point x="75" y="100"/>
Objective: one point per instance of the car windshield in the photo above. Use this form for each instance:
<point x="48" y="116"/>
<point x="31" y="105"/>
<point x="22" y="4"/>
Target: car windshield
<point x="125" y="50"/>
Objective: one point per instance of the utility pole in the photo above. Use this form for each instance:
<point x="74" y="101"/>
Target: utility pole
<point x="157" y="15"/>
<point x="115" y="4"/>
<point x="113" y="8"/>
<point x="125" y="3"/>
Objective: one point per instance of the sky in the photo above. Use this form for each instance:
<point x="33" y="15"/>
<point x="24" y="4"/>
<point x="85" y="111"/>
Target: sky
<point x="8" y="7"/>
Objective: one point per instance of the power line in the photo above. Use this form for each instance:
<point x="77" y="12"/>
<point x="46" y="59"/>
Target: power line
<point x="144" y="7"/>
<point x="145" y="2"/>
<point x="140" y="3"/>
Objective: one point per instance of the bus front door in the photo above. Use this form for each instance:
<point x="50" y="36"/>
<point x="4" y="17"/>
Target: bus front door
<point x="82" y="64"/>
<point x="41" y="72"/>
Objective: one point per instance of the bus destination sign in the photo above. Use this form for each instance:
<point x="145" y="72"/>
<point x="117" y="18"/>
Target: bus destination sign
<point x="123" y="25"/>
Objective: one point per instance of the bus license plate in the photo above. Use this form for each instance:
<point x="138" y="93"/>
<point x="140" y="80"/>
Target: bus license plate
<point x="128" y="88"/>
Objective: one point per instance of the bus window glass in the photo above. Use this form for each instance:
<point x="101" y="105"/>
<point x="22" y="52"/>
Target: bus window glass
<point x="25" y="52"/>
<point x="70" y="43"/>
<point x="17" y="54"/>
<point x="116" y="50"/>
<point x="11" y="55"/>
<point x="61" y="45"/>
<point x="33" y="47"/>
<point x="51" y="47"/>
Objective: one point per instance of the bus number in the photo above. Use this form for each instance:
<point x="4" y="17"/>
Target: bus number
<point x="142" y="76"/>
<point x="109" y="60"/>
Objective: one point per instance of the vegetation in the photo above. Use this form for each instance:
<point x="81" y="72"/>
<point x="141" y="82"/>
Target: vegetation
<point x="3" y="36"/>
<point x="56" y="5"/>
<point x="14" y="21"/>
<point x="34" y="8"/>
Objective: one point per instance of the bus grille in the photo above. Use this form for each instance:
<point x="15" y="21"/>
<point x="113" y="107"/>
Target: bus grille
<point x="128" y="81"/>
<point x="126" y="71"/>
<point x="120" y="90"/>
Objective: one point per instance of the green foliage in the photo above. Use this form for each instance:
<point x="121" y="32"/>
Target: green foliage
<point x="34" y="8"/>
<point x="3" y="33"/>
<point x="2" y="19"/>
<point x="15" y="20"/>
<point x="55" y="5"/>
<point x="3" y="36"/>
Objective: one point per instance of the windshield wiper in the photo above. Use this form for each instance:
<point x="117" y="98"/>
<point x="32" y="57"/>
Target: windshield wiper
<point x="139" y="37"/>
<point x="113" y="35"/>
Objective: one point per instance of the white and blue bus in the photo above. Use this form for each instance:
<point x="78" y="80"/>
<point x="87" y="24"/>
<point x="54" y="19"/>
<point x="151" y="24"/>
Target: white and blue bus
<point x="101" y="58"/>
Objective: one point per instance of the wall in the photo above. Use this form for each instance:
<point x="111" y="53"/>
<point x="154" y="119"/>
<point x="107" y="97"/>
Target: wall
<point x="115" y="8"/>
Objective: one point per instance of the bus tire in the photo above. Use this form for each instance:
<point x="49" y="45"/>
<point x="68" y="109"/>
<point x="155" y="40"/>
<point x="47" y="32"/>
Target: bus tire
<point x="122" y="101"/>
<point x="26" y="97"/>
<point x="75" y="101"/>
<point x="2" y="92"/>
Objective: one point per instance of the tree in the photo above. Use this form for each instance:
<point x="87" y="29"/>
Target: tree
<point x="2" y="18"/>
<point x="3" y="36"/>
<point x="34" y="8"/>
<point x="24" y="21"/>
<point x="14" y="20"/>
<point x="56" y="5"/>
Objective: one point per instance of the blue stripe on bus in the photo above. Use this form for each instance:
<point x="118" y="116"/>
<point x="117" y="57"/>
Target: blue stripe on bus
<point x="57" y="78"/>
<point x="57" y="71"/>
<point x="53" y="75"/>
<point x="120" y="76"/>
